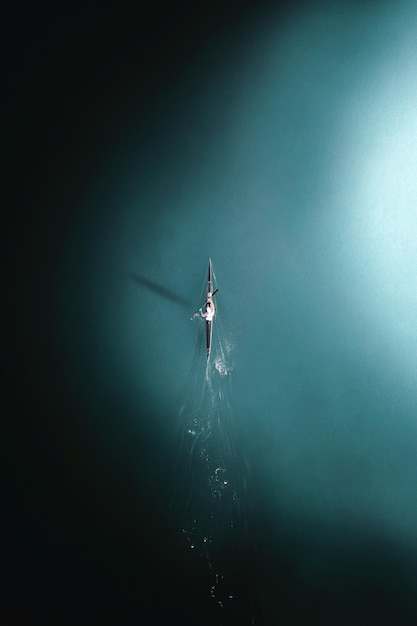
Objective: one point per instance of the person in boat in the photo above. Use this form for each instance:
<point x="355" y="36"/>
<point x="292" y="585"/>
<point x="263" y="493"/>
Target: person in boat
<point x="210" y="309"/>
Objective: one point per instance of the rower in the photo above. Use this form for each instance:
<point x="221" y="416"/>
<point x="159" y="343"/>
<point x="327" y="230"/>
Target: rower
<point x="210" y="310"/>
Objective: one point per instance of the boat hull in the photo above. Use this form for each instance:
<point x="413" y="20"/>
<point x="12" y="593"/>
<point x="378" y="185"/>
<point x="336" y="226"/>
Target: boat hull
<point x="209" y="333"/>
<point x="209" y="324"/>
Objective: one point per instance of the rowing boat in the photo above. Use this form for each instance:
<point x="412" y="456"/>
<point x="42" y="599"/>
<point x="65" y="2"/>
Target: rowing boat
<point x="209" y="322"/>
<point x="210" y="309"/>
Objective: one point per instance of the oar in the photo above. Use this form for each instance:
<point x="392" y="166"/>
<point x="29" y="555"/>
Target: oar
<point x="212" y="295"/>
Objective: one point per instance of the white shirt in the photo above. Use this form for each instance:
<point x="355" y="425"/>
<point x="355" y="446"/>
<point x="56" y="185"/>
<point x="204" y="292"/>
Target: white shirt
<point x="209" y="314"/>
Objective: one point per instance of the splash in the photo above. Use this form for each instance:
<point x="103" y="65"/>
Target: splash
<point x="223" y="366"/>
<point x="213" y="485"/>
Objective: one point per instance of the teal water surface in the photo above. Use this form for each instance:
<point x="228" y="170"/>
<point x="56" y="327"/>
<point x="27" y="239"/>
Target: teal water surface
<point x="286" y="152"/>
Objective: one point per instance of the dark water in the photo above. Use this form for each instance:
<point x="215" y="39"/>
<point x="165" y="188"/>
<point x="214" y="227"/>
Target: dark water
<point x="278" y="485"/>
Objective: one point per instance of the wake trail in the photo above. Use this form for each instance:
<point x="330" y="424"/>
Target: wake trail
<point x="212" y="492"/>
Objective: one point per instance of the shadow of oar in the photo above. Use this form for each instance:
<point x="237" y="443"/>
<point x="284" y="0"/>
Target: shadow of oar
<point x="161" y="291"/>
